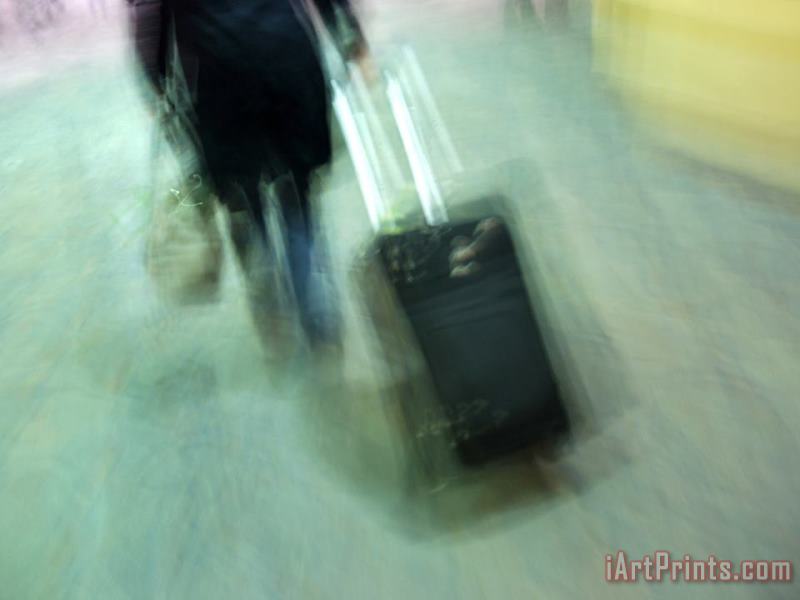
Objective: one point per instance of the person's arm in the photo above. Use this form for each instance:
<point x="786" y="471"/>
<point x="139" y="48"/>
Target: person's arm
<point x="150" y="40"/>
<point x="341" y="20"/>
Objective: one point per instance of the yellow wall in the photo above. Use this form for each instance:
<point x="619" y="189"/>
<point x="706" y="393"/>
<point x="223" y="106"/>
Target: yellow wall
<point x="719" y="79"/>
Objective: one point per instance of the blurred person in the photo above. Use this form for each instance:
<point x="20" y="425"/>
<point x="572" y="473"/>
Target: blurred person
<point x="98" y="8"/>
<point x="34" y="16"/>
<point x="259" y="103"/>
<point x="551" y="14"/>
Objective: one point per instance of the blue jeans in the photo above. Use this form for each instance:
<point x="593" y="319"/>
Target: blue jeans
<point x="309" y="274"/>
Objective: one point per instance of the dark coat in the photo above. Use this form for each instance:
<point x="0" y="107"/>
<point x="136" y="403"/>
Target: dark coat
<point x="257" y="87"/>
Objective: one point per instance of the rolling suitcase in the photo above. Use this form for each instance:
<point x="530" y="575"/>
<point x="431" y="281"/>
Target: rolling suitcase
<point x="458" y="283"/>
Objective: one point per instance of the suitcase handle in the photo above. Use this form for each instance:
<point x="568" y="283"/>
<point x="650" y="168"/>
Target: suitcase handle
<point x="357" y="135"/>
<point x="358" y="138"/>
<point x="373" y="124"/>
<point x="359" y="122"/>
<point x="429" y="193"/>
<point x="412" y="73"/>
<point x="367" y="179"/>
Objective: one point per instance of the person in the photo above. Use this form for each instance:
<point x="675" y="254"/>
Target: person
<point x="259" y="105"/>
<point x="98" y="8"/>
<point x="552" y="14"/>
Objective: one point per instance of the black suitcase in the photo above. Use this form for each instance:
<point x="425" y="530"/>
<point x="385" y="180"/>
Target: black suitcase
<point x="475" y="326"/>
<point x="461" y="289"/>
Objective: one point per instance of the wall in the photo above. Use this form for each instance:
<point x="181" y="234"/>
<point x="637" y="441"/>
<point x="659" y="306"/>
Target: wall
<point x="719" y="79"/>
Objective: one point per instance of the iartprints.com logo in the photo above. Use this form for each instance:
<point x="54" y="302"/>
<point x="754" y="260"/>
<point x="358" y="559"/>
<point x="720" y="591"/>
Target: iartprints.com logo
<point x="661" y="565"/>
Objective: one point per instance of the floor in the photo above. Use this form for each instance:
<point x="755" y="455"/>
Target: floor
<point x="150" y="451"/>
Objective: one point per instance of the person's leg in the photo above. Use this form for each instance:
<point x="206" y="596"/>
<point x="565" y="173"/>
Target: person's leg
<point x="263" y="280"/>
<point x="232" y="113"/>
<point x="292" y="194"/>
<point x="316" y="303"/>
<point x="247" y="224"/>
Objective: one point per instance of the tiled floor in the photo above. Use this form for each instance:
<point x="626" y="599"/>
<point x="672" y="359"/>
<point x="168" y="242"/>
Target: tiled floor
<point x="150" y="452"/>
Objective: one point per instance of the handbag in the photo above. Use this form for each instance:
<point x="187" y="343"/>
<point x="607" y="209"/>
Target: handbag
<point x="184" y="246"/>
<point x="184" y="249"/>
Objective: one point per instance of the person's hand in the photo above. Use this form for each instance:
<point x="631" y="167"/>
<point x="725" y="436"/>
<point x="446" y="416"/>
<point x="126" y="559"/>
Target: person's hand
<point x="362" y="58"/>
<point x="154" y="103"/>
<point x="152" y="110"/>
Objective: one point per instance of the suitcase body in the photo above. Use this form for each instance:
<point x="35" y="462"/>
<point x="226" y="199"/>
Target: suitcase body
<point x="477" y="331"/>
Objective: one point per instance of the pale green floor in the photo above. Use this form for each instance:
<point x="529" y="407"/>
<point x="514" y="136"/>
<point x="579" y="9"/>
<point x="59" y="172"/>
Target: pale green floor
<point x="148" y="452"/>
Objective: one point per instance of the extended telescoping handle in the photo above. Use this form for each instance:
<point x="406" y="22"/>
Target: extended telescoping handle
<point x="377" y="167"/>
<point x="413" y="77"/>
<point x="357" y="117"/>
<point x="385" y="159"/>
<point x="358" y="120"/>
<point x="361" y="156"/>
<point x="430" y="195"/>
